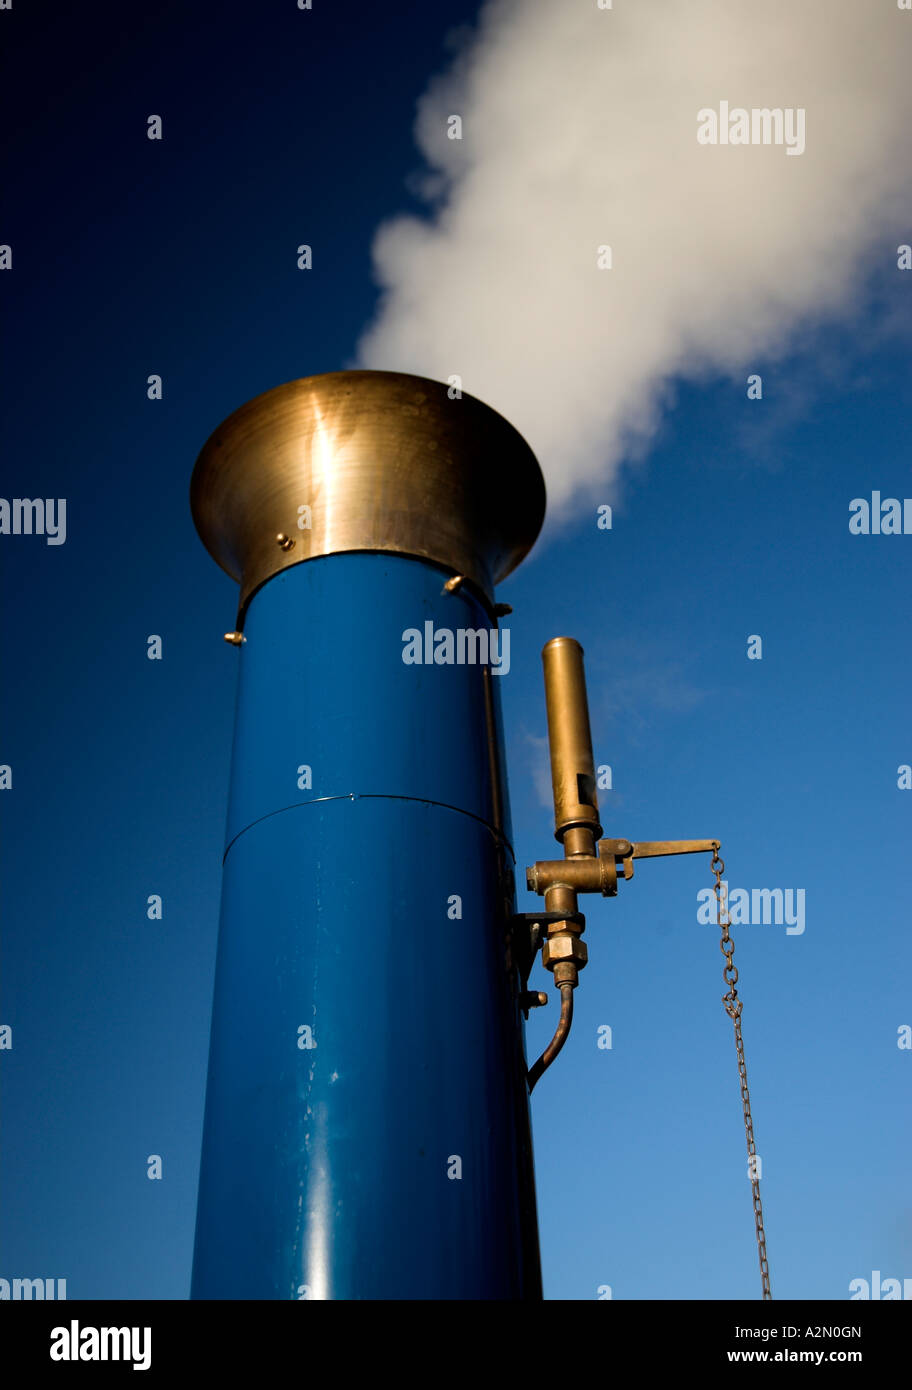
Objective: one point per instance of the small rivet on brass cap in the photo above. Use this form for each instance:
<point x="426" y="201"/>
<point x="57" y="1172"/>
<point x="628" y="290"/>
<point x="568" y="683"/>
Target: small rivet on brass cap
<point x="285" y="542"/>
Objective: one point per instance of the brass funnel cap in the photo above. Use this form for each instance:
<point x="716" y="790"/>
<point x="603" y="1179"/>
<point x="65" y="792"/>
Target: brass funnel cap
<point x="366" y="461"/>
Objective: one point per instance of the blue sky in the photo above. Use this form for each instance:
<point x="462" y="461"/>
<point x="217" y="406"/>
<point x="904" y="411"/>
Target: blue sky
<point x="178" y="258"/>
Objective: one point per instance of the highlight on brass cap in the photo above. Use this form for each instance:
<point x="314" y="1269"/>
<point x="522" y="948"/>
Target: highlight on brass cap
<point x="365" y="460"/>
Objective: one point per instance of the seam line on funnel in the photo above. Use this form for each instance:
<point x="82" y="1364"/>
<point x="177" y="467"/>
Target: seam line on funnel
<point x="372" y="796"/>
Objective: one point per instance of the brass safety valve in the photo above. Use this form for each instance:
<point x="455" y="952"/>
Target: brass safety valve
<point x="590" y="864"/>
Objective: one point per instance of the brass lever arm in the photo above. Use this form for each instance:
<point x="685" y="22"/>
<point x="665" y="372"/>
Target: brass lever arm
<point x="625" y="851"/>
<point x="652" y="849"/>
<point x="588" y="874"/>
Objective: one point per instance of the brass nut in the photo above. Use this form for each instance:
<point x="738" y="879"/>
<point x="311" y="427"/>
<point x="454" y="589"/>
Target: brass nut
<point x="564" y="948"/>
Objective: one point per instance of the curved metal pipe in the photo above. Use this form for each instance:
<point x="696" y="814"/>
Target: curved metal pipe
<point x="560" y="1037"/>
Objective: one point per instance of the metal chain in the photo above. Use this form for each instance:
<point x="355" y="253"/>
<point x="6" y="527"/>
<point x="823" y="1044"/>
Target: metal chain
<point x="733" y="1008"/>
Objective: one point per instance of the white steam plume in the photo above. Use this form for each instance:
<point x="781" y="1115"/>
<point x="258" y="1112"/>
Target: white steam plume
<point x="579" y="129"/>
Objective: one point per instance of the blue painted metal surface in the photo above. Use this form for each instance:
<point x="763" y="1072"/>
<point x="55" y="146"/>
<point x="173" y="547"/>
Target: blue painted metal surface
<point x="367" y="1125"/>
